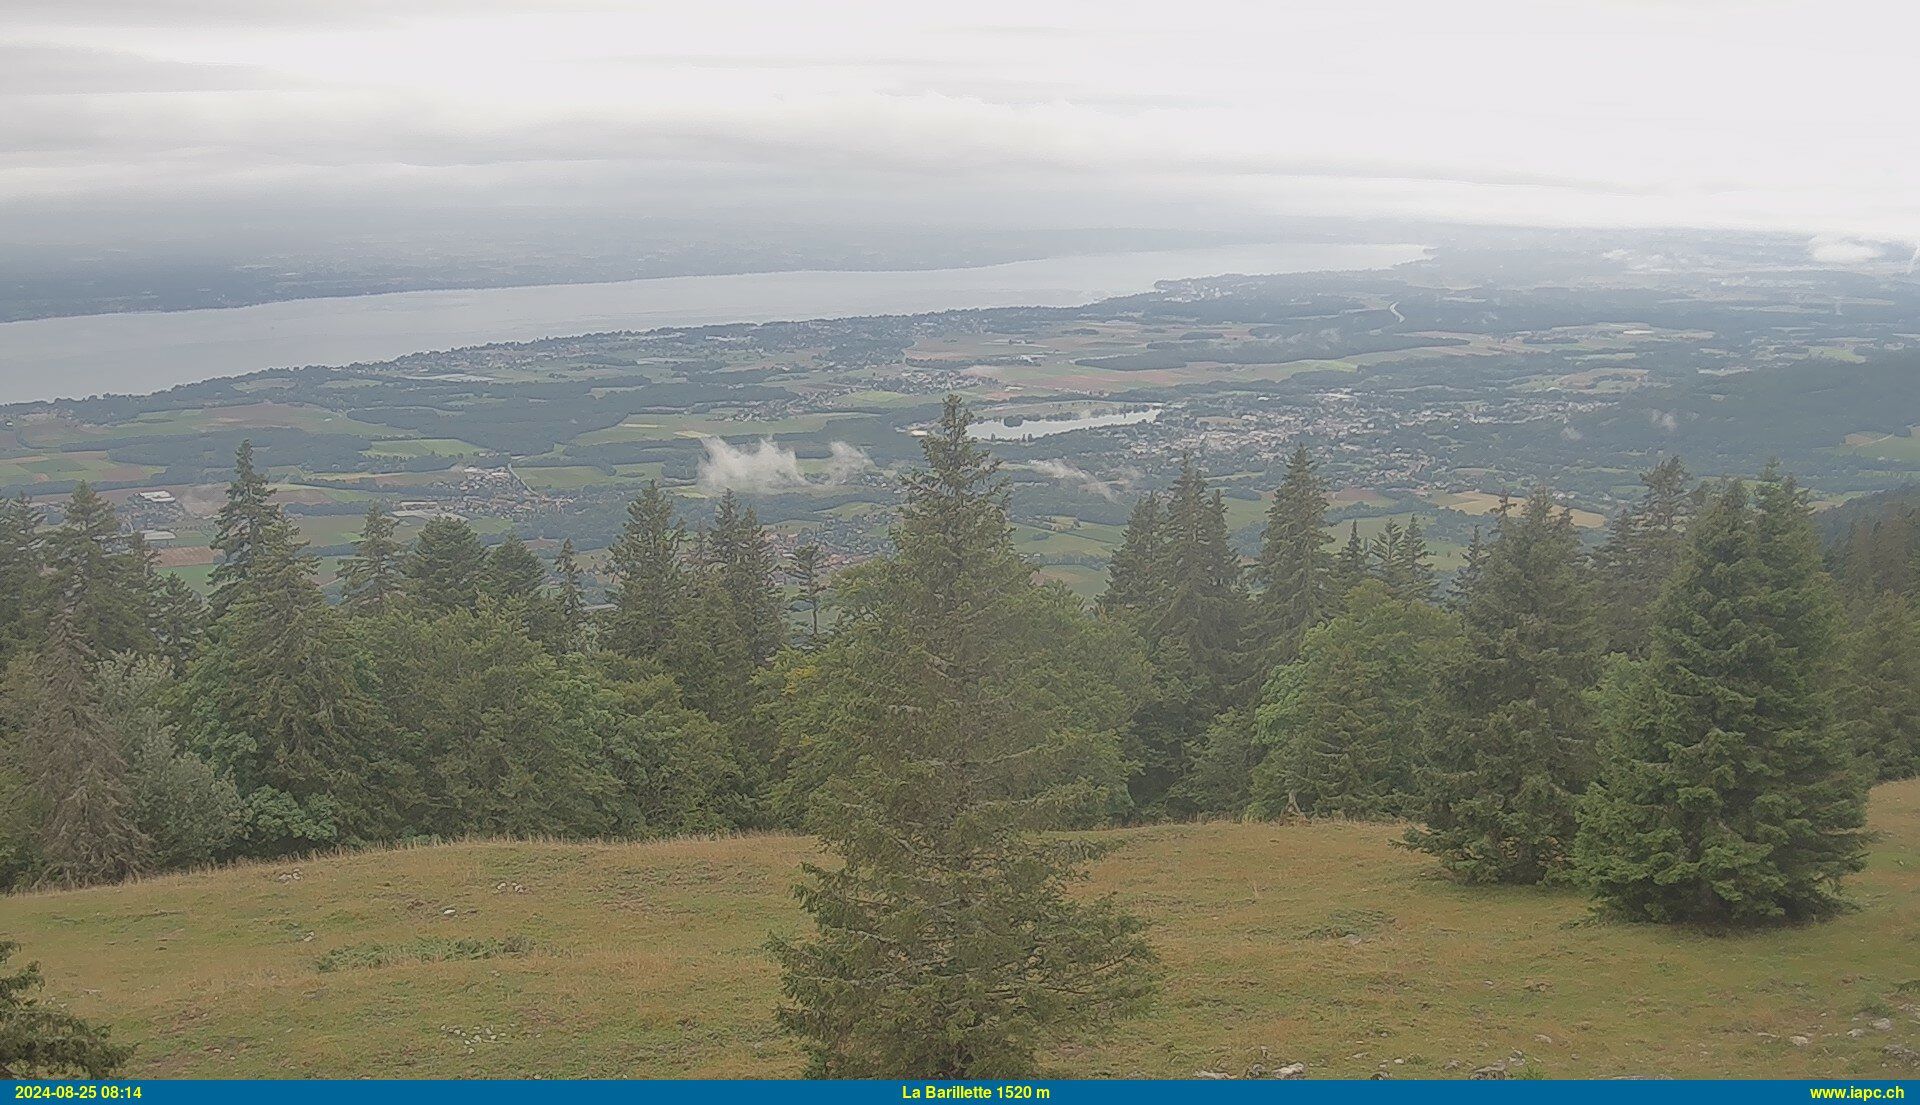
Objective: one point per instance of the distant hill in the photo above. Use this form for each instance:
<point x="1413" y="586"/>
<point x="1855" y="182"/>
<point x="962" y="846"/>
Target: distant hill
<point x="1316" y="943"/>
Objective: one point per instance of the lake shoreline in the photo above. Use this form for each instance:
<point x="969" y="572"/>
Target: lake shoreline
<point x="134" y="353"/>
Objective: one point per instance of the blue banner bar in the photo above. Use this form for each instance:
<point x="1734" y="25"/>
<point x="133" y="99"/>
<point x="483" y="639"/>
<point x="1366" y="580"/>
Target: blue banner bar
<point x="1120" y="1092"/>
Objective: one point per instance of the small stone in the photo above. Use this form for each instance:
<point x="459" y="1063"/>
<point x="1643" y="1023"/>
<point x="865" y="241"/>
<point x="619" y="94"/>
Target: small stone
<point x="1452" y="1064"/>
<point x="1855" y="1033"/>
<point x="1213" y="1074"/>
<point x="1798" y="1041"/>
<point x="1542" y="1038"/>
<point x="1291" y="1071"/>
<point x="1492" y="1072"/>
<point x="1882" y="1024"/>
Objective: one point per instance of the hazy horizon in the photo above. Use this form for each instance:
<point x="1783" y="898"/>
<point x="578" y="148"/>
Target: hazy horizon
<point x="1210" y="117"/>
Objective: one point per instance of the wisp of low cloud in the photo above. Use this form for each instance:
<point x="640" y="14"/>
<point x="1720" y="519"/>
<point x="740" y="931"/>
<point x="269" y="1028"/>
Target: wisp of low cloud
<point x="767" y="468"/>
<point x="1079" y="477"/>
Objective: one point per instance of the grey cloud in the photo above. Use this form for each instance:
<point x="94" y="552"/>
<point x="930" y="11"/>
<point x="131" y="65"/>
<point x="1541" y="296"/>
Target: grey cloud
<point x="43" y="69"/>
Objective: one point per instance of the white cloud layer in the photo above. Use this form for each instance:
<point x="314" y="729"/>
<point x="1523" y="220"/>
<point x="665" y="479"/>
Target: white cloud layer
<point x="767" y="467"/>
<point x="1075" y="476"/>
<point x="1782" y="114"/>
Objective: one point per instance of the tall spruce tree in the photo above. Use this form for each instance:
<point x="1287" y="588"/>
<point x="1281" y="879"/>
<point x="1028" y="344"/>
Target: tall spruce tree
<point x="569" y="601"/>
<point x="650" y="581"/>
<point x="1401" y="561"/>
<point x="1508" y="758"/>
<point x="446" y="568"/>
<point x="1195" y="636"/>
<point x="1350" y="567"/>
<point x="103" y="575"/>
<point x="808" y="563"/>
<point x="371" y="579"/>
<point x="21" y="583"/>
<point x="1294" y="564"/>
<point x="73" y="763"/>
<point x="513" y="574"/>
<point x="742" y="560"/>
<point x="1879" y="687"/>
<point x="177" y="617"/>
<point x="284" y="701"/>
<point x="240" y="525"/>
<point x="1136" y="576"/>
<point x="1642" y="550"/>
<point x="1729" y="796"/>
<point x="947" y="946"/>
<point x="1468" y="577"/>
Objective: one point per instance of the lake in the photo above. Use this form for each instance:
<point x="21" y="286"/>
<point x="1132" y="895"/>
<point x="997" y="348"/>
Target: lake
<point x="1005" y="429"/>
<point x="140" y="352"/>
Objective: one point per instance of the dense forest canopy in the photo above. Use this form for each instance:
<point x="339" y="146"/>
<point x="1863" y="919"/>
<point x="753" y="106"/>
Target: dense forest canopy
<point x="1703" y="760"/>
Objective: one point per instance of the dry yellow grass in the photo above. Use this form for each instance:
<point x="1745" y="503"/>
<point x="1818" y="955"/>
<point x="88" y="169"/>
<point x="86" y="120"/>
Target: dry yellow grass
<point x="1319" y="943"/>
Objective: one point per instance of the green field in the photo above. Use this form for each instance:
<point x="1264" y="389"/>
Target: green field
<point x="408" y="448"/>
<point x="1082" y="580"/>
<point x="61" y="467"/>
<point x="564" y="477"/>
<point x="1318" y="943"/>
<point x="1888" y="447"/>
<point x="667" y="427"/>
<point x="1085" y="540"/>
<point x="244" y="416"/>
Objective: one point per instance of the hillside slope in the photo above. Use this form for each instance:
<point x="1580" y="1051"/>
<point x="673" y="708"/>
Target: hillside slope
<point x="1319" y="943"/>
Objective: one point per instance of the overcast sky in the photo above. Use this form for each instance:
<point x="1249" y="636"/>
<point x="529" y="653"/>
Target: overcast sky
<point x="1788" y="115"/>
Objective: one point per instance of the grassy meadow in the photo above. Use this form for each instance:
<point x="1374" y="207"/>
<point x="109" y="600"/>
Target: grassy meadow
<point x="1318" y="943"/>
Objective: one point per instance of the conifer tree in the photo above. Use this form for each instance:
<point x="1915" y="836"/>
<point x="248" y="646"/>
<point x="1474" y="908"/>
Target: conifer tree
<point x="650" y="582"/>
<point x="738" y="552"/>
<point x="21" y="583"/>
<point x="1350" y="567"/>
<point x="513" y="574"/>
<point x="1642" y="550"/>
<point x="1879" y="689"/>
<point x="570" y="601"/>
<point x="241" y="523"/>
<point x="946" y="944"/>
<point x="1881" y="554"/>
<point x="184" y="812"/>
<point x="371" y="579"/>
<point x="284" y="702"/>
<point x="1729" y="796"/>
<point x="1401" y="561"/>
<point x="1468" y="577"/>
<point x="103" y="575"/>
<point x="73" y="763"/>
<point x="177" y="617"/>
<point x="1294" y="564"/>
<point x="1507" y="760"/>
<point x="1136" y="576"/>
<point x="447" y="566"/>
<point x="1195" y="638"/>
<point x="39" y="1040"/>
<point x="1384" y="554"/>
<point x="1342" y="724"/>
<point x="808" y="560"/>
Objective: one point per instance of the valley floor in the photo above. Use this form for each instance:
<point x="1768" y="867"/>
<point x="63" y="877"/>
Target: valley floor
<point x="1316" y="943"/>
